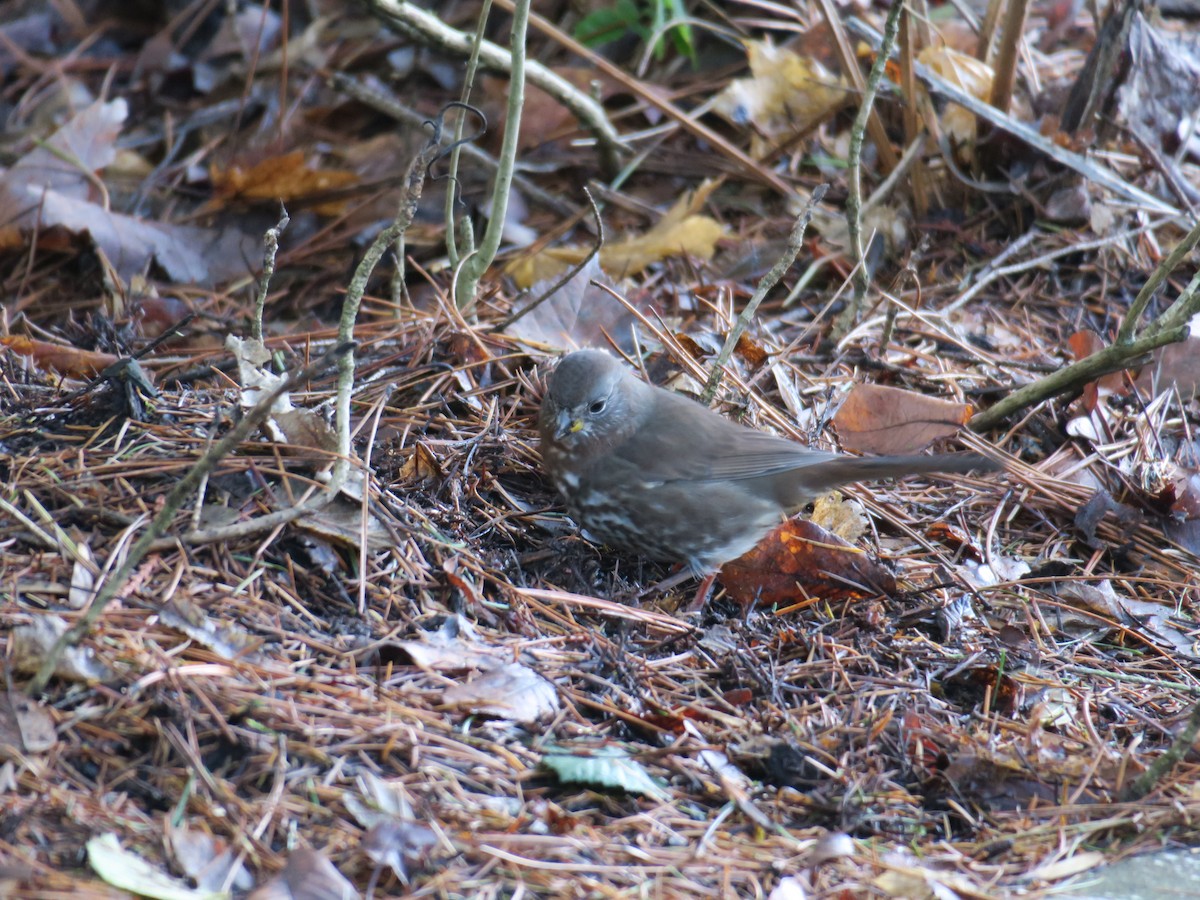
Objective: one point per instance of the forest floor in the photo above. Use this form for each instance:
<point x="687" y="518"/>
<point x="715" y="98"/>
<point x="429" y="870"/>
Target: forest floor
<point x="426" y="681"/>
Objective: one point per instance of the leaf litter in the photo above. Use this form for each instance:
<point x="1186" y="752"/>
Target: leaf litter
<point x="442" y="684"/>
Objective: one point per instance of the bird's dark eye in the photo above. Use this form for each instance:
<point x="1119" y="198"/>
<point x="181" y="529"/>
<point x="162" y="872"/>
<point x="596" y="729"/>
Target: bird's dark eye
<point x="597" y="406"/>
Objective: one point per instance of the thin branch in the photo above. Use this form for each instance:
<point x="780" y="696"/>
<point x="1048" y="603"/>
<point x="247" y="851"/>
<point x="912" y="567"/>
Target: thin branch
<point x="571" y="273"/>
<point x="270" y="251"/>
<point x="253" y="417"/>
<point x="862" y="280"/>
<point x="794" y="244"/>
<point x="426" y="26"/>
<point x="476" y="264"/>
<point x="1160" y="274"/>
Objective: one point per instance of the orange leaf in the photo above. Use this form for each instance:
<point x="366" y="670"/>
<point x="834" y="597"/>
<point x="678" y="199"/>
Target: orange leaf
<point x="1085" y="343"/>
<point x="284" y="178"/>
<point x="800" y="560"/>
<point x="69" y="361"/>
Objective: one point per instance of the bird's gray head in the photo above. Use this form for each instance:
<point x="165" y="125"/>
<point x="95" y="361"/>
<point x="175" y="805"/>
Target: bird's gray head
<point x="590" y="397"/>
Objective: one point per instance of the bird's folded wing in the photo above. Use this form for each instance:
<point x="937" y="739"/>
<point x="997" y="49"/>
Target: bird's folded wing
<point x="683" y="446"/>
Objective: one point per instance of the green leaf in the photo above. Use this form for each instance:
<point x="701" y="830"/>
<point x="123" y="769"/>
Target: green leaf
<point x="605" y="25"/>
<point x="608" y="767"/>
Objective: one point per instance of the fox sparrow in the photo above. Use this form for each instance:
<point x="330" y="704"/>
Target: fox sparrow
<point x="653" y="472"/>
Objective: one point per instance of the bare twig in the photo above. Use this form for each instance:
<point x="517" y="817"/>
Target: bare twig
<point x="862" y="280"/>
<point x="170" y="505"/>
<point x="571" y="273"/>
<point x="795" y="242"/>
<point x="474" y="266"/>
<point x="1171" y="326"/>
<point x="1155" y="772"/>
<point x="425" y="25"/>
<point x="849" y="61"/>
<point x="270" y="250"/>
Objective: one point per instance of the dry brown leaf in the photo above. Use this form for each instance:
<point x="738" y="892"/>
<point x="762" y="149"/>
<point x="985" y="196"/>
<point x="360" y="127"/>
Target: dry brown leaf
<point x="420" y="465"/>
<point x="964" y="72"/>
<point x="882" y="420"/>
<point x="284" y="178"/>
<point x="800" y="561"/>
<point x="56" y="184"/>
<point x="1084" y="344"/>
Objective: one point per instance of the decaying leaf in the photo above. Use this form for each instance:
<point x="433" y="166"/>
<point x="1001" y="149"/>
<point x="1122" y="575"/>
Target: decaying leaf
<point x="840" y="516"/>
<point x="788" y="93"/>
<point x="420" y="465"/>
<point x="128" y="871"/>
<point x="508" y="691"/>
<point x="578" y="314"/>
<point x="1083" y="344"/>
<point x="967" y="73"/>
<point x="54" y="185"/>
<point x="68" y="361"/>
<point x="83" y="577"/>
<point x="25" y="727"/>
<point x="801" y="561"/>
<point x="1158" y="99"/>
<point x="683" y="231"/>
<point x="452" y="648"/>
<point x="285" y="179"/>
<point x="394" y="837"/>
<point x="208" y="860"/>
<point x="882" y="420"/>
<point x="308" y="875"/>
<point x="29" y="645"/>
<point x="225" y="638"/>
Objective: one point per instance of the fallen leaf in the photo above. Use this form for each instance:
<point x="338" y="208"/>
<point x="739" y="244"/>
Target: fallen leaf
<point x="128" y="871"/>
<point x="452" y="648"/>
<point x="29" y="644"/>
<point x="1086" y="343"/>
<point x="578" y="314"/>
<point x="509" y="691"/>
<point x="394" y="837"/>
<point x="964" y="72"/>
<point x="67" y="361"/>
<point x="1159" y="93"/>
<point x="420" y="465"/>
<point x="285" y="179"/>
<point x="683" y="231"/>
<point x="798" y="561"/>
<point x="308" y="875"/>
<point x="209" y="861"/>
<point x="883" y="420"/>
<point x="788" y="94"/>
<point x="55" y="184"/>
<point x="25" y="727"/>
<point x="839" y="516"/>
<point x="602" y="766"/>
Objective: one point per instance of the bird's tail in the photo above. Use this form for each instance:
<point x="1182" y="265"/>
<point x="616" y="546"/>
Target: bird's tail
<point x="831" y="473"/>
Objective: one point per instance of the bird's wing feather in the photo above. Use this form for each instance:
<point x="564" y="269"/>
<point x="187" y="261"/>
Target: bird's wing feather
<point x="684" y="446"/>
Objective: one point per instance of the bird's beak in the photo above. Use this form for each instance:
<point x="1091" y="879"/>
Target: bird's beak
<point x="565" y="425"/>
